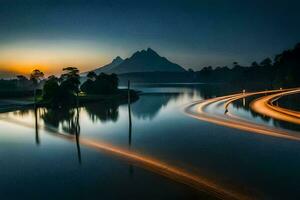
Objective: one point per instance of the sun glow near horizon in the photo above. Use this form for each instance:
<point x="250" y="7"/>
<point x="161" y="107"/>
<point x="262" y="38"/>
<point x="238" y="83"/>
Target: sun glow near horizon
<point x="51" y="57"/>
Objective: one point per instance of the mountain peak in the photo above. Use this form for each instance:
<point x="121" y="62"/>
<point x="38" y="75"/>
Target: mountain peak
<point x="151" y="51"/>
<point x="147" y="52"/>
<point x="146" y="60"/>
<point x="117" y="59"/>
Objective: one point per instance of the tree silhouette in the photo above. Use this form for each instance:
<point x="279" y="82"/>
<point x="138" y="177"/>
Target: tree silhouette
<point x="35" y="76"/>
<point x="70" y="79"/>
<point x="92" y="75"/>
<point x="267" y="62"/>
<point x="254" y="64"/>
<point x="22" y="78"/>
<point x="51" y="89"/>
<point x="104" y="84"/>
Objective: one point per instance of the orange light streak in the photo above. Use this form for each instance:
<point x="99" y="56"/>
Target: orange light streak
<point x="233" y="122"/>
<point x="264" y="106"/>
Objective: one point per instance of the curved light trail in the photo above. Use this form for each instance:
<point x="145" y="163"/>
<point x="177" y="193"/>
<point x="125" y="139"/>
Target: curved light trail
<point x="198" y="110"/>
<point x="167" y="170"/>
<point x="265" y="106"/>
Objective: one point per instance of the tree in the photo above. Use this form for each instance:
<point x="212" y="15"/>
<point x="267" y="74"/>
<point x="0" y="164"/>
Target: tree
<point x="254" y="64"/>
<point x="51" y="89"/>
<point x="70" y="83"/>
<point x="267" y="62"/>
<point x="104" y="84"/>
<point x="70" y="79"/>
<point x="35" y="76"/>
<point x="92" y="75"/>
<point x="236" y="64"/>
<point x="23" y="82"/>
<point x="22" y="78"/>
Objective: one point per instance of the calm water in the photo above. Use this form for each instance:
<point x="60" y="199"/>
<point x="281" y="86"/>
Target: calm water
<point x="37" y="163"/>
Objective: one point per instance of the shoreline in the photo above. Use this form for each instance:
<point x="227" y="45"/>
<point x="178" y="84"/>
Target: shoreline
<point x="121" y="97"/>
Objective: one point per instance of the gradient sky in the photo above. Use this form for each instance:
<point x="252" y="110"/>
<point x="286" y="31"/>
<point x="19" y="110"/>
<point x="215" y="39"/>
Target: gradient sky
<point x="52" y="34"/>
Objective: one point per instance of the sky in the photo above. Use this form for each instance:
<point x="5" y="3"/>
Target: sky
<point x="52" y="34"/>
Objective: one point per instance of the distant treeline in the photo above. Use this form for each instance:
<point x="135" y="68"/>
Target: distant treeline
<point x="19" y="87"/>
<point x="283" y="71"/>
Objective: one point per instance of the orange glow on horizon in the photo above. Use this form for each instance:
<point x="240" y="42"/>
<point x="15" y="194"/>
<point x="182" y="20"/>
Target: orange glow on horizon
<point x="24" y="70"/>
<point x="51" y="57"/>
<point x="27" y="68"/>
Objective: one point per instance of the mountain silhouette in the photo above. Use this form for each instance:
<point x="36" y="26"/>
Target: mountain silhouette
<point x="141" y="61"/>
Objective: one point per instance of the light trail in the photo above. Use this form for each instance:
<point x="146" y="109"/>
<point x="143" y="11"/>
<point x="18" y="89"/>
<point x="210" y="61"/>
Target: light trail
<point x="167" y="170"/>
<point x="264" y="106"/>
<point x="245" y="95"/>
<point x="198" y="110"/>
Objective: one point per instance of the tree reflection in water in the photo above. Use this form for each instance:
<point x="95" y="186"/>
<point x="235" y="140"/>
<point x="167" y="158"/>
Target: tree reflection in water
<point x="103" y="112"/>
<point x="68" y="118"/>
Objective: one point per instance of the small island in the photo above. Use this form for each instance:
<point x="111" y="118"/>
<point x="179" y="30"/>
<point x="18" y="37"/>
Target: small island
<point x="64" y="91"/>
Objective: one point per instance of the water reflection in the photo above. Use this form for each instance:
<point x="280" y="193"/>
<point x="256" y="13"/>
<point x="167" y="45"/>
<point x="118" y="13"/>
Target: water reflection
<point x="68" y="118"/>
<point x="103" y="111"/>
<point x="149" y="129"/>
<point x="290" y="102"/>
<point x="77" y="131"/>
<point x="149" y="105"/>
<point x="131" y="169"/>
<point x="55" y="117"/>
<point x="244" y="104"/>
<point x="37" y="138"/>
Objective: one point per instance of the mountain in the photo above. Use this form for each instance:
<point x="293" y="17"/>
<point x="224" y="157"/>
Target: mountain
<point x="141" y="61"/>
<point x="146" y="61"/>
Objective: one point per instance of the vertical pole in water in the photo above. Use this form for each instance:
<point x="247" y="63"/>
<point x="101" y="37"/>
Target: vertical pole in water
<point x="129" y="114"/>
<point x="34" y="93"/>
<point x="37" y="139"/>
<point x="130" y="125"/>
<point x="77" y="131"/>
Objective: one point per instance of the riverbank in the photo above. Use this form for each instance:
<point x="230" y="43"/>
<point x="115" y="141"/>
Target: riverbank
<point x="7" y="105"/>
<point x="120" y="97"/>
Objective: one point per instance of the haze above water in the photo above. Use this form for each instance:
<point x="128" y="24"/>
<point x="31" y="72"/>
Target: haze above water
<point x="38" y="164"/>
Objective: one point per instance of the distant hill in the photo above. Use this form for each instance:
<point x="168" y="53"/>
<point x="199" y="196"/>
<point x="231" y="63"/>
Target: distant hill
<point x="141" y="61"/>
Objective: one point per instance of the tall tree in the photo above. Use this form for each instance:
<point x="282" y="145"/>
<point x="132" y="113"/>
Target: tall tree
<point x="92" y="75"/>
<point x="70" y="81"/>
<point x="35" y="76"/>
